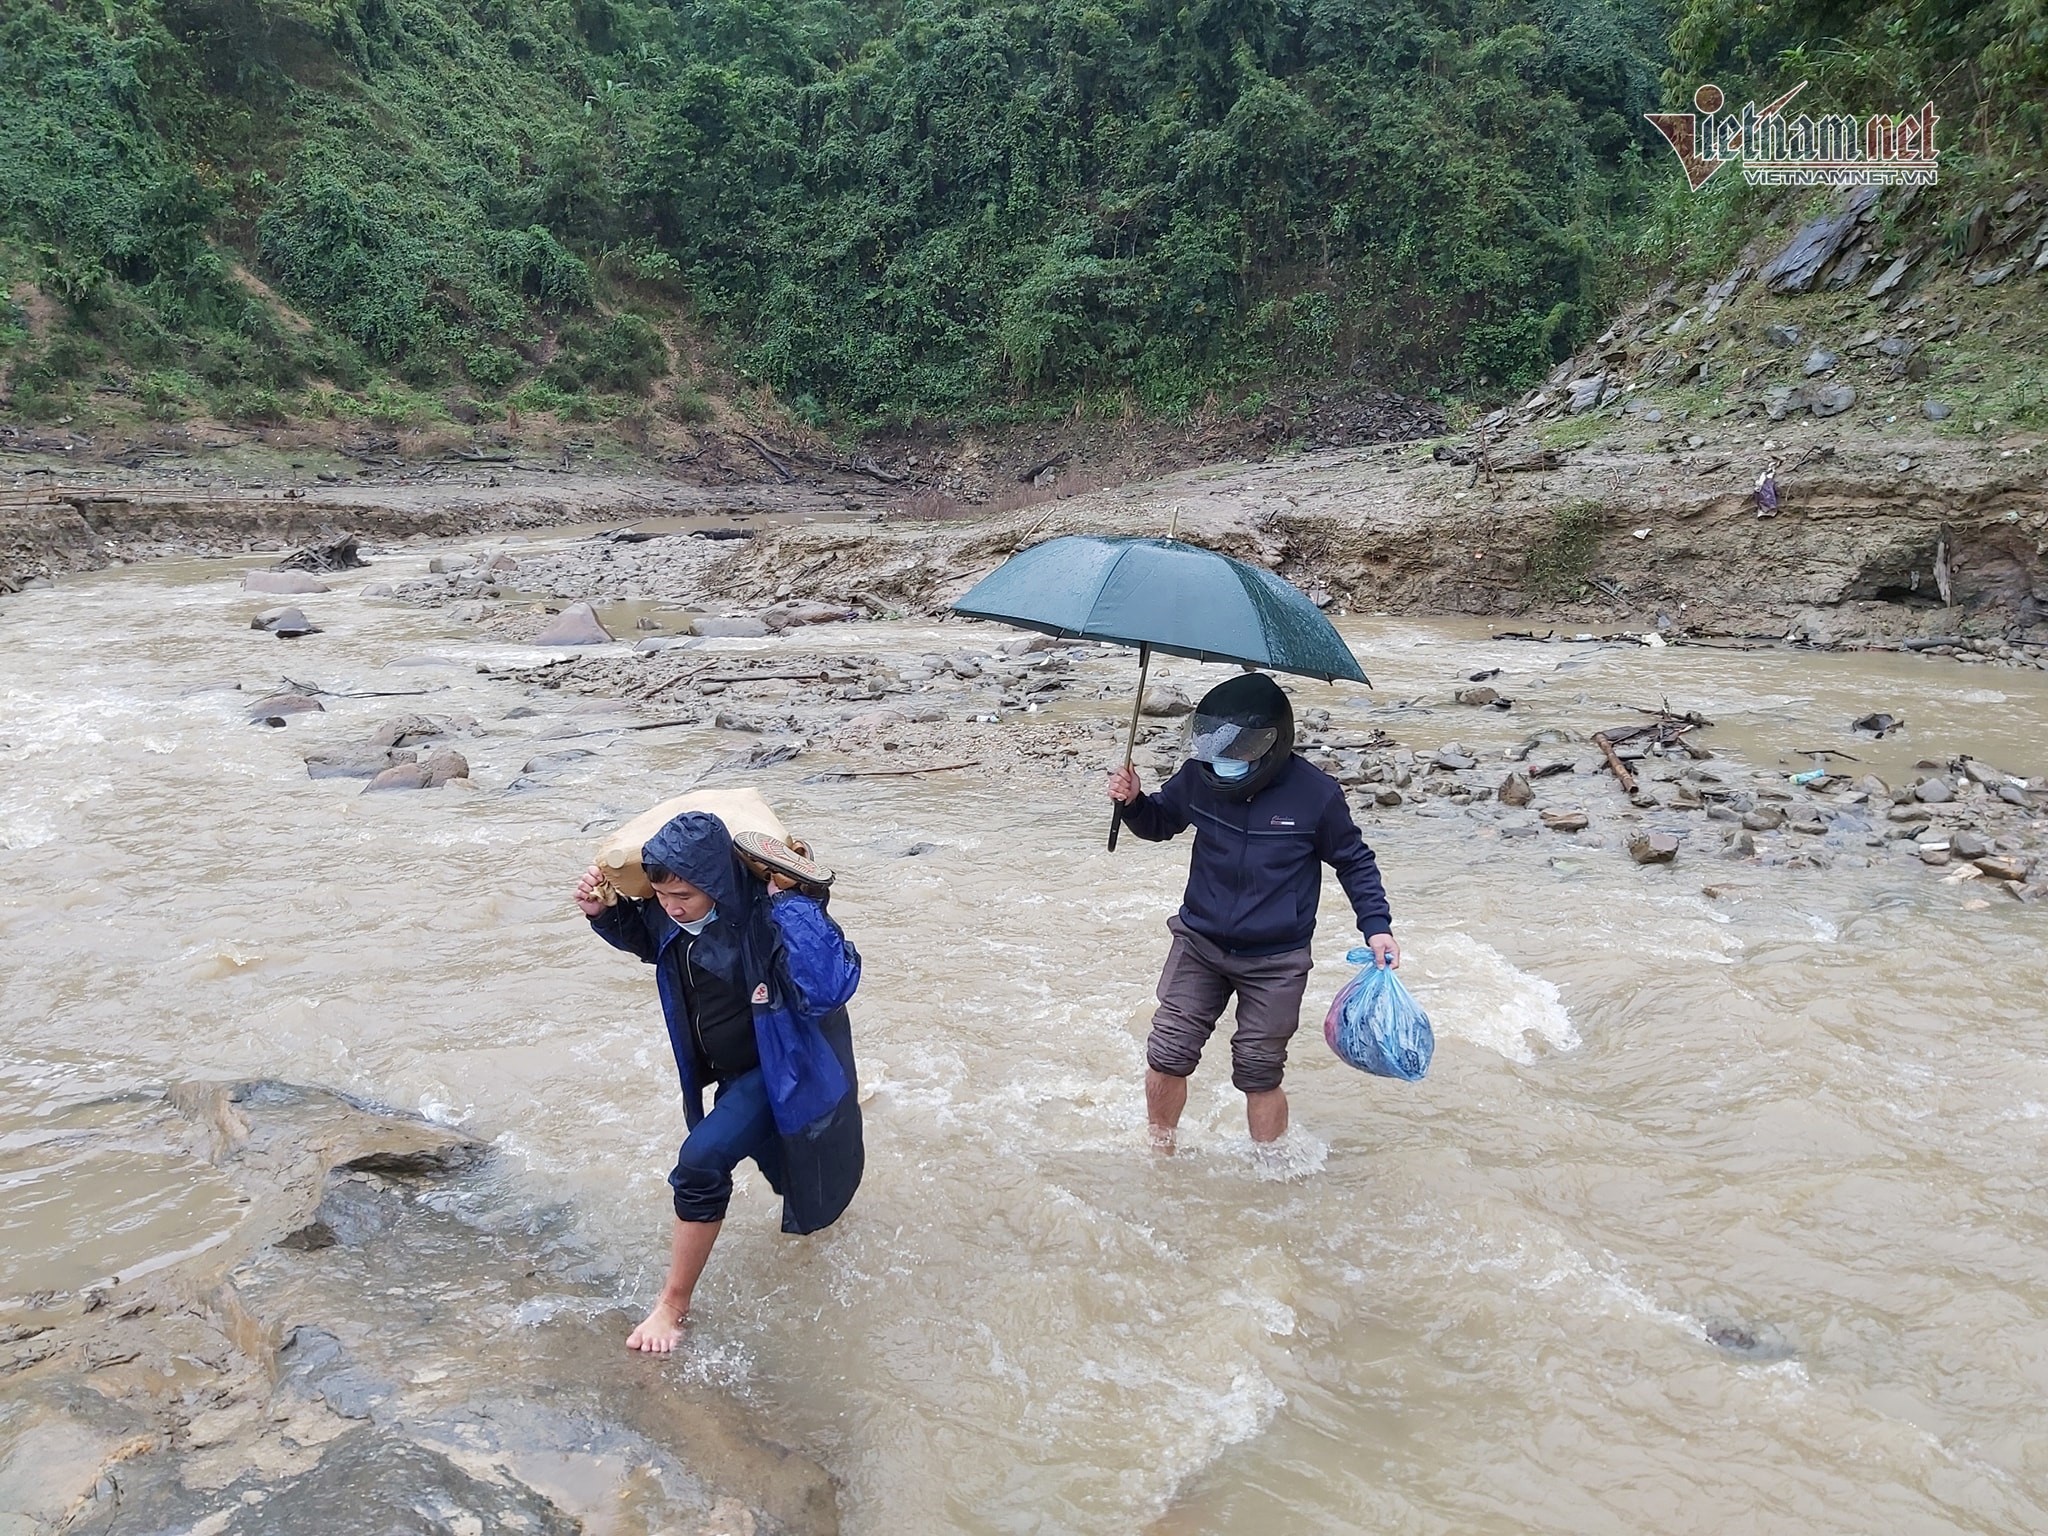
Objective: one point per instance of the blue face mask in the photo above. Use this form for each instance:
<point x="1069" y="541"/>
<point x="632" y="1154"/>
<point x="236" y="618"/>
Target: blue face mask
<point x="1228" y="768"/>
<point x="693" y="929"/>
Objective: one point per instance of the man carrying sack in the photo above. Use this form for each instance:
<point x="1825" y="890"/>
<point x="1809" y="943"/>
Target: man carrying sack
<point x="754" y="977"/>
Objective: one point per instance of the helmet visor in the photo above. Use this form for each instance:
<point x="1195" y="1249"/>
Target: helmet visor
<point x="1212" y="739"/>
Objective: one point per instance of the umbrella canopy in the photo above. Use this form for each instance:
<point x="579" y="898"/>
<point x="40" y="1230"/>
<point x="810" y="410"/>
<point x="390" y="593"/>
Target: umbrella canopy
<point x="1166" y="596"/>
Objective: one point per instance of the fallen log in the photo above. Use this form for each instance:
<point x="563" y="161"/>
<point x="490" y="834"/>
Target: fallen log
<point x="780" y="468"/>
<point x="1622" y="776"/>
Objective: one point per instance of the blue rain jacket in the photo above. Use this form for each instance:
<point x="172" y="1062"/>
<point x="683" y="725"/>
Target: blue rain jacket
<point x="786" y="952"/>
<point x="1256" y="877"/>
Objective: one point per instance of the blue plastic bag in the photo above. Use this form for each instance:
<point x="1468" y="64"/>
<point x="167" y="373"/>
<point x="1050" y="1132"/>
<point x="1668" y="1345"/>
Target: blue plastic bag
<point x="1375" y="1024"/>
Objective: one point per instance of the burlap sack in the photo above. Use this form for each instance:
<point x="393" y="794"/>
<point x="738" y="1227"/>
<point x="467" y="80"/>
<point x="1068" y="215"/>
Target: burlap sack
<point x="742" y="810"/>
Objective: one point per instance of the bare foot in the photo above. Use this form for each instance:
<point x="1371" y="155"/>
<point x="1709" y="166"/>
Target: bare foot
<point x="658" y="1334"/>
<point x="1162" y="1139"/>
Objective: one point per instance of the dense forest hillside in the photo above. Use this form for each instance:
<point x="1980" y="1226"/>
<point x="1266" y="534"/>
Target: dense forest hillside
<point x="861" y="212"/>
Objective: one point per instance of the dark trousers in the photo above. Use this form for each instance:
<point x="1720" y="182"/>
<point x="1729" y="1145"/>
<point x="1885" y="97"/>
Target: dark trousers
<point x="1194" y="988"/>
<point x="740" y="1125"/>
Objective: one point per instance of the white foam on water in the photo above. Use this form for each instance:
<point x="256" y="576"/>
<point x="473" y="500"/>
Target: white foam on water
<point x="23" y="825"/>
<point x="1473" y="993"/>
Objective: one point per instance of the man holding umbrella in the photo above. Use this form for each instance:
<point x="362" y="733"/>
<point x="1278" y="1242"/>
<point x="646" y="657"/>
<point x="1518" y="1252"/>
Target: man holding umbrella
<point x="1265" y="823"/>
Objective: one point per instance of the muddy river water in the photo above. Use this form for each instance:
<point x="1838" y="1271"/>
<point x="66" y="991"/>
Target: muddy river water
<point x="1714" y="1214"/>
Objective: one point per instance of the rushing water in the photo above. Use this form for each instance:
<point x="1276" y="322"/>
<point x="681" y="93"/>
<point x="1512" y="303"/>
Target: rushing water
<point x="1805" y="1120"/>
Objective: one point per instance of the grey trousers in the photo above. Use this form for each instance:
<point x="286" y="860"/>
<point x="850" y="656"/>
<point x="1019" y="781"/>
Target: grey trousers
<point x="1197" y="983"/>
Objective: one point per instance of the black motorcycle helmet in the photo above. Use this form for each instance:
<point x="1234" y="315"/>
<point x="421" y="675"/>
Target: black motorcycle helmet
<point x="1246" y="720"/>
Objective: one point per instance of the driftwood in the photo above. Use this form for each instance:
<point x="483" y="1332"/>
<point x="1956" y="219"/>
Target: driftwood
<point x="1056" y="461"/>
<point x="890" y="773"/>
<point x="780" y="468"/>
<point x="865" y="465"/>
<point x="1622" y="776"/>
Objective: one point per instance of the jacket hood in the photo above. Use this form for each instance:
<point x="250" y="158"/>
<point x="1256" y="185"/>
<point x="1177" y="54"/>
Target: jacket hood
<point x="697" y="847"/>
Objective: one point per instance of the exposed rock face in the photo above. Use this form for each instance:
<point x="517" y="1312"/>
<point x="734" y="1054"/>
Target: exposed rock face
<point x="200" y="1396"/>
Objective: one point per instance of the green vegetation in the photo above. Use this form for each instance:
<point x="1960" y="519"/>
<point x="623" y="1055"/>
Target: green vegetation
<point x="1562" y="559"/>
<point x="880" y="210"/>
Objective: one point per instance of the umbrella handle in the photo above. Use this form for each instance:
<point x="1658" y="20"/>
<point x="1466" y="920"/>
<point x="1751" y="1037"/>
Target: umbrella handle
<point x="1116" y="809"/>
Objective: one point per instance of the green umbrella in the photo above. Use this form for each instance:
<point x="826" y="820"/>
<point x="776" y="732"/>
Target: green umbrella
<point x="1161" y="595"/>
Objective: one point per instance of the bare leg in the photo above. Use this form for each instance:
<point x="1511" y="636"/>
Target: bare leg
<point x="1266" y="1113"/>
<point x="1165" y="1097"/>
<point x="691" y="1248"/>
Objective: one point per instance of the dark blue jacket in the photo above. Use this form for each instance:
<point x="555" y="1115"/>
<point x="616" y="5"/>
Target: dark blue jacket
<point x="1256" y="876"/>
<point x="789" y="955"/>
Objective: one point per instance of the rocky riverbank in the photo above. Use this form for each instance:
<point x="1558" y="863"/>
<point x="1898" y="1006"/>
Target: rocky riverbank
<point x="352" y="1341"/>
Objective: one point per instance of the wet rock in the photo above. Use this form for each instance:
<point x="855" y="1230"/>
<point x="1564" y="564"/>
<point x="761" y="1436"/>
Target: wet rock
<point x="1483" y="697"/>
<point x="283" y="583"/>
<point x="1966" y="844"/>
<point x="334" y="555"/>
<point x="2003" y="866"/>
<point x="353" y="762"/>
<point x="1031" y="645"/>
<point x="285" y="623"/>
<point x="1877" y="724"/>
<point x="1833" y="400"/>
<point x="801" y="615"/>
<point x="1933" y="854"/>
<point x="1819" y="360"/>
<point x="449" y="565"/>
<point x="1455" y="761"/>
<point x="1515" y="791"/>
<point x="501" y="565"/>
<point x="1765" y="818"/>
<point x="1933" y="791"/>
<point x="2012" y="794"/>
<point x="353" y="1209"/>
<point x="555" y="762"/>
<point x="376" y="589"/>
<point x="1983" y="773"/>
<point x="577" y="624"/>
<point x="1388" y="796"/>
<point x="1565" y="821"/>
<point x="730" y="629"/>
<point x="408" y="730"/>
<point x="1654" y="847"/>
<point x="1807" y="822"/>
<point x="1749" y="1343"/>
<point x="1165" y="701"/>
<point x="444" y="767"/>
<point x="398" y="776"/>
<point x="280" y="707"/>
<point x="1741" y="844"/>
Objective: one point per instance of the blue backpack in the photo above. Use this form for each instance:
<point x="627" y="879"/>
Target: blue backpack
<point x="1376" y="1025"/>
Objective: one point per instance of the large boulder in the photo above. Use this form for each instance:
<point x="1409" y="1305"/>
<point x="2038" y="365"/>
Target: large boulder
<point x="577" y="624"/>
<point x="283" y="583"/>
